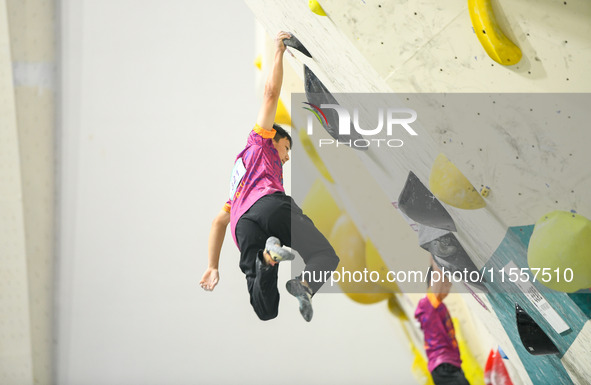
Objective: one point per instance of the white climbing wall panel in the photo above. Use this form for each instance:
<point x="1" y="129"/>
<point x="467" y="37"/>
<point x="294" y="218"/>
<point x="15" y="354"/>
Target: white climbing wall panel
<point x="427" y="46"/>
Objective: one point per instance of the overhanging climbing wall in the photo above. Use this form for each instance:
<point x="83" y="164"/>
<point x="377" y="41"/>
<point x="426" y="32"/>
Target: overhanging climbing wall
<point x="528" y="160"/>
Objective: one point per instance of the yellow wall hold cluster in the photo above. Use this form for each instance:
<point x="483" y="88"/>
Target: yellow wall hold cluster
<point x="350" y="247"/>
<point x="419" y="367"/>
<point x="314" y="156"/>
<point x="321" y="207"/>
<point x="560" y="241"/>
<point x="374" y="262"/>
<point x="348" y="243"/>
<point x="258" y="62"/>
<point x="493" y="40"/>
<point x="449" y="185"/>
<point x="282" y="115"/>
<point x="472" y="369"/>
<point x="396" y="309"/>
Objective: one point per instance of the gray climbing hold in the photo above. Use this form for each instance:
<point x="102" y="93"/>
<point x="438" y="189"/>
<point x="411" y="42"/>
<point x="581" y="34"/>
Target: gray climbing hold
<point x="449" y="253"/>
<point x="293" y="42"/>
<point x="317" y="94"/>
<point x="420" y="205"/>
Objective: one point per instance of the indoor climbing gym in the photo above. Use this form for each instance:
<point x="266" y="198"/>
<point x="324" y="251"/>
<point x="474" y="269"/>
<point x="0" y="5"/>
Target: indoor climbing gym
<point x="323" y="192"/>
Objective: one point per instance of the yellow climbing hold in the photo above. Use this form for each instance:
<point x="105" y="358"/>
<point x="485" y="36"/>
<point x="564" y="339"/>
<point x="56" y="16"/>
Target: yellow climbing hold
<point x="316" y="8"/>
<point x="449" y="185"/>
<point x="485" y="191"/>
<point x="472" y="370"/>
<point x="560" y="247"/>
<point x="419" y="367"/>
<point x="321" y="207"/>
<point x="350" y="247"/>
<point x="493" y="40"/>
<point x="282" y="115"/>
<point x="396" y="309"/>
<point x="374" y="262"/>
<point x="314" y="156"/>
<point x="368" y="298"/>
<point x="258" y="62"/>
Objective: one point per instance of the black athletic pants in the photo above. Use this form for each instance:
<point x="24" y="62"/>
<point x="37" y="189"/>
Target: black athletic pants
<point x="448" y="374"/>
<point x="279" y="216"/>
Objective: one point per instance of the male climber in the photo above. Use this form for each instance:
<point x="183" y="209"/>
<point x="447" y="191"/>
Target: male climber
<point x="441" y="345"/>
<point x="263" y="220"/>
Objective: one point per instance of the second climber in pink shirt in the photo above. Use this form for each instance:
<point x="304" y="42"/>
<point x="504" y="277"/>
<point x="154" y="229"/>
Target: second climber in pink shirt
<point x="263" y="220"/>
<point x="441" y="345"/>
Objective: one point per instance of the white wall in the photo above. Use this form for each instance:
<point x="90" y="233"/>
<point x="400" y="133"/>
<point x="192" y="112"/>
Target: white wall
<point x="27" y="71"/>
<point x="16" y="363"/>
<point x="158" y="97"/>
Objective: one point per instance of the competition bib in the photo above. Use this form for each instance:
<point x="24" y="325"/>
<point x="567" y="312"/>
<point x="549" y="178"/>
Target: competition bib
<point x="237" y="174"/>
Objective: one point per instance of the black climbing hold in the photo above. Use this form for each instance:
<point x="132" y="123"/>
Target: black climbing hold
<point x="534" y="339"/>
<point x="420" y="205"/>
<point x="449" y="253"/>
<point x="317" y="94"/>
<point x="293" y="42"/>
